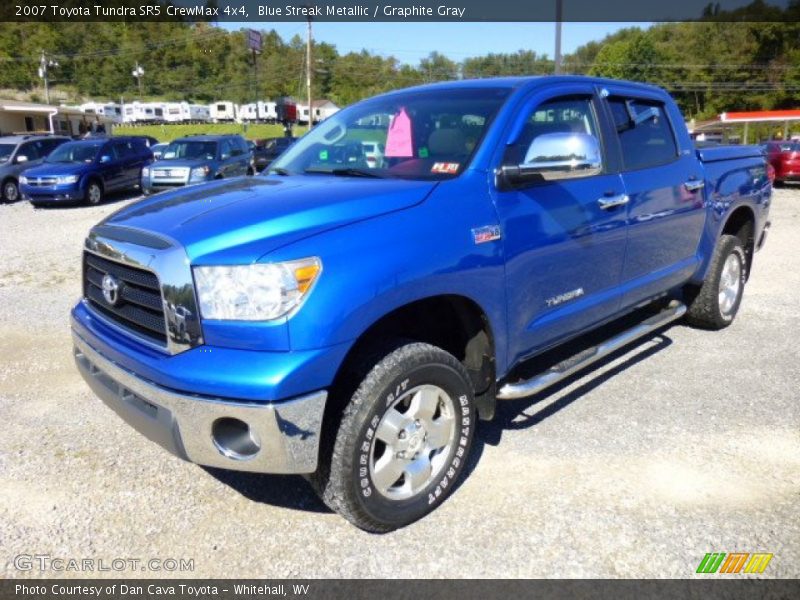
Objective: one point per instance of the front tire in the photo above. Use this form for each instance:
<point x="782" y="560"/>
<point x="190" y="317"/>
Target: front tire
<point x="94" y="193"/>
<point x="10" y="191"/>
<point x="714" y="304"/>
<point x="403" y="440"/>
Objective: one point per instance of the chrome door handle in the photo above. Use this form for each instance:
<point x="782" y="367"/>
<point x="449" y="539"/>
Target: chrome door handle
<point x="613" y="201"/>
<point x="694" y="184"/>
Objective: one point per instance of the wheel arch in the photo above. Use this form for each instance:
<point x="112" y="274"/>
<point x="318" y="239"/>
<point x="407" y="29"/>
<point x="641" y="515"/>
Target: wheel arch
<point x="453" y="322"/>
<point x="742" y="224"/>
<point x="96" y="177"/>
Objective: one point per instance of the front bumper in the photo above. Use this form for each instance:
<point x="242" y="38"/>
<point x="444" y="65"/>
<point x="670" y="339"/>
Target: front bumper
<point x="258" y="437"/>
<point x="52" y="193"/>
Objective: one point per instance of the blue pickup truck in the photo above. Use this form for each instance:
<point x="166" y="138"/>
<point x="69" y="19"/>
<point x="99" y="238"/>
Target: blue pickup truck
<point x="353" y="320"/>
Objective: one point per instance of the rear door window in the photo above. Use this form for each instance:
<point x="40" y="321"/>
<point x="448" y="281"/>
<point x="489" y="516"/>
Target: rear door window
<point x="644" y="132"/>
<point x="123" y="150"/>
<point x="226" y="149"/>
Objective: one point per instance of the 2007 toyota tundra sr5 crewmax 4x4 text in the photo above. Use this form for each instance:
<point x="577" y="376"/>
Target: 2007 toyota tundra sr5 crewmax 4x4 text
<point x="352" y="320"/>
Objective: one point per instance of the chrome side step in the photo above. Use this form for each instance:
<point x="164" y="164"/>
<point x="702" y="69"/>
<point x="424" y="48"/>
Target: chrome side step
<point x="512" y="391"/>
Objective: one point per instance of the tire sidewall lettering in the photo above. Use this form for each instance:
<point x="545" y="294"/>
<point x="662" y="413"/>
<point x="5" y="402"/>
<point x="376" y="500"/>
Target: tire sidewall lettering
<point x="436" y="492"/>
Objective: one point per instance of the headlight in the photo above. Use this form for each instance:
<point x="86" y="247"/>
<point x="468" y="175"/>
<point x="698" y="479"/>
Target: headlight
<point x="258" y="292"/>
<point x="67" y="179"/>
<point x="145" y="171"/>
<point x="199" y="172"/>
<point x="23" y="180"/>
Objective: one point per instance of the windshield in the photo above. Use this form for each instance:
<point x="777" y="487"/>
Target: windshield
<point x="6" y="150"/>
<point x="411" y="135"/>
<point x="75" y="152"/>
<point x="790" y="147"/>
<point x="190" y="150"/>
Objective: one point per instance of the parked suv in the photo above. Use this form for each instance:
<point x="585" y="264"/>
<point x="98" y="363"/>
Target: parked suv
<point x="86" y="170"/>
<point x="20" y="152"/>
<point x="198" y="158"/>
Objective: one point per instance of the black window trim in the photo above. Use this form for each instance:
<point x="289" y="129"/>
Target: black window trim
<point x="626" y="96"/>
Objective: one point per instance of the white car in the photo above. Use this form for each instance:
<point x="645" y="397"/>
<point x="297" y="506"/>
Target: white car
<point x="373" y="152"/>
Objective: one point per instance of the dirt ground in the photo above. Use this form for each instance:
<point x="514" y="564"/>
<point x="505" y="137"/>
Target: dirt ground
<point x="688" y="443"/>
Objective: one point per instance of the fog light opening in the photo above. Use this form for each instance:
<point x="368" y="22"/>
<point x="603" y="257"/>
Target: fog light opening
<point x="234" y="439"/>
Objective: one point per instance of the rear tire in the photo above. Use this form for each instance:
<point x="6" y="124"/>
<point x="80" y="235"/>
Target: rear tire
<point x="403" y="440"/>
<point x="714" y="304"/>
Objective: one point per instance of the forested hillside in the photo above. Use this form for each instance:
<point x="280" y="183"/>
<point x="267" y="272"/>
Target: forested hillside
<point x="710" y="66"/>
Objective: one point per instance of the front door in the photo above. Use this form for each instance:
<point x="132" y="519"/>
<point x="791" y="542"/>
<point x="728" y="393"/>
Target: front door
<point x="564" y="240"/>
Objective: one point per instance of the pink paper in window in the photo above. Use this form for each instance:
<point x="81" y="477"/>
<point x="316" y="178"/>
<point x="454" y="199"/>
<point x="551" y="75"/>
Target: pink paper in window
<point x="399" y="142"/>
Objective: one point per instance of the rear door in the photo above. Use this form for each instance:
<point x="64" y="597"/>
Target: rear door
<point x="663" y="180"/>
<point x="229" y="158"/>
<point x="243" y="155"/>
<point x="564" y="250"/>
<point x="112" y="169"/>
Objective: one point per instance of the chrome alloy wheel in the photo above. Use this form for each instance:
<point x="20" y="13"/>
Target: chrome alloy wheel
<point x="95" y="193"/>
<point x="10" y="191"/>
<point x="412" y="442"/>
<point x="730" y="283"/>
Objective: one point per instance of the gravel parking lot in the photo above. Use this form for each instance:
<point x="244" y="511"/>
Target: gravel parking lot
<point x="688" y="443"/>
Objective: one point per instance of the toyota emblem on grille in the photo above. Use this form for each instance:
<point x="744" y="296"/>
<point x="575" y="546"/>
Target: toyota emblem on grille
<point x="111" y="289"/>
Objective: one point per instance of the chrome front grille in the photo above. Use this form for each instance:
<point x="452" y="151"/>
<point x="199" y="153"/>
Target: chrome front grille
<point x="137" y="304"/>
<point x="174" y="176"/>
<point x="42" y="181"/>
<point x="149" y="290"/>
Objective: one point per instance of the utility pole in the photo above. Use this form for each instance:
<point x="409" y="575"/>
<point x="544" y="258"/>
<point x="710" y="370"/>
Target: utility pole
<point x="44" y="64"/>
<point x="308" y="75"/>
<point x="559" y="15"/>
<point x="138" y="72"/>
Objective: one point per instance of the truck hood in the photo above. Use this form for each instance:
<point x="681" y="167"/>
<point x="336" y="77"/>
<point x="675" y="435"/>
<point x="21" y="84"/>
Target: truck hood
<point x="56" y="169"/>
<point x="240" y="220"/>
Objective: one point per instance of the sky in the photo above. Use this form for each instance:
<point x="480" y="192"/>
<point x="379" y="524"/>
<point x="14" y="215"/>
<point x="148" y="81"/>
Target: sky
<point x="409" y="42"/>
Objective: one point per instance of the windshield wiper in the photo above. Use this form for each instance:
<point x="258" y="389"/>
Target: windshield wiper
<point x="279" y="171"/>
<point x="346" y="172"/>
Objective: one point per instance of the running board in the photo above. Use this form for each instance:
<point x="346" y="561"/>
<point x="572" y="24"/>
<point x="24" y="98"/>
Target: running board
<point x="512" y="391"/>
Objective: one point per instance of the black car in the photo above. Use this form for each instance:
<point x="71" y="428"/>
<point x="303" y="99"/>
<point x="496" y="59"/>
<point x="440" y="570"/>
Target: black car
<point x="269" y="149"/>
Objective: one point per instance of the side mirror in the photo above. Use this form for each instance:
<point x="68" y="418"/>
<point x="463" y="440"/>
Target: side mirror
<point x="21" y="158"/>
<point x="556" y="156"/>
<point x="105" y="159"/>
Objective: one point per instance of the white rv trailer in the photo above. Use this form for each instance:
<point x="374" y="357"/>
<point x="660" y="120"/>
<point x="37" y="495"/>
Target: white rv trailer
<point x="248" y="113"/>
<point x="267" y="111"/>
<point x="262" y="112"/>
<point x="110" y="110"/>
<point x="183" y="112"/>
<point x="322" y="110"/>
<point x="223" y="111"/>
<point x="143" y="112"/>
